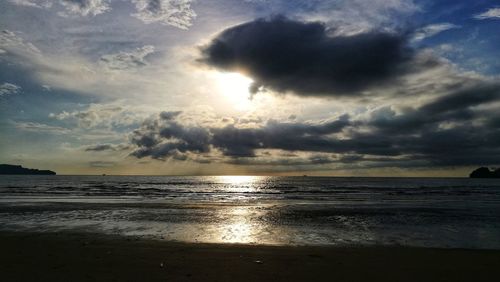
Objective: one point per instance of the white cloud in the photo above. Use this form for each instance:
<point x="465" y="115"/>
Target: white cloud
<point x="85" y="7"/>
<point x="96" y="115"/>
<point x="104" y="116"/>
<point x="432" y="30"/>
<point x="102" y="147"/>
<point x="493" y="13"/>
<point x="40" y="127"/>
<point x="9" y="89"/>
<point x="127" y="60"/>
<point x="176" y="13"/>
<point x="33" y="3"/>
<point x="12" y="43"/>
<point x="348" y="16"/>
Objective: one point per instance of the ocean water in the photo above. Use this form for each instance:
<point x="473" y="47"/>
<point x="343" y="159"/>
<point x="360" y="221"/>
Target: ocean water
<point x="424" y="212"/>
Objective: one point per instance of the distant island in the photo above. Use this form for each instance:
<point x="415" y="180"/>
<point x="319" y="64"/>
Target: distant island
<point x="19" y="170"/>
<point x="484" y="172"/>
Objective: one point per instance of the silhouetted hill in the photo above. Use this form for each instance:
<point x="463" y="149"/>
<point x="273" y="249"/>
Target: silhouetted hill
<point x="17" y="169"/>
<point x="484" y="172"/>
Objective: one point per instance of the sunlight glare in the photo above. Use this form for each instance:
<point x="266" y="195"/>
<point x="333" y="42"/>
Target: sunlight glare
<point x="235" y="87"/>
<point x="240" y="228"/>
<point x="239" y="183"/>
<point x="238" y="179"/>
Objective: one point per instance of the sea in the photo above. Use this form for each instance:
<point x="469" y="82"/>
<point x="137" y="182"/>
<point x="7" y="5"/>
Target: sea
<point x="263" y="210"/>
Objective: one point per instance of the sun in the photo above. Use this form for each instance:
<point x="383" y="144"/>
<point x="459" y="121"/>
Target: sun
<point x="235" y="87"/>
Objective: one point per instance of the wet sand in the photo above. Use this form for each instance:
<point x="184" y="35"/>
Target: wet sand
<point x="88" y="257"/>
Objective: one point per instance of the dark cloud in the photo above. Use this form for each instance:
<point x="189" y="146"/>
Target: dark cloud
<point x="451" y="130"/>
<point x="494" y="120"/>
<point x="277" y="135"/>
<point x="284" y="161"/>
<point x="102" y="164"/>
<point x="454" y="107"/>
<point x="106" y="147"/>
<point x="165" y="138"/>
<point x="286" y="55"/>
<point x="169" y="115"/>
<point x="468" y="97"/>
<point x="456" y="126"/>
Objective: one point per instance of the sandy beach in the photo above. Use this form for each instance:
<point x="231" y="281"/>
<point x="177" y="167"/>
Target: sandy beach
<point x="90" y="257"/>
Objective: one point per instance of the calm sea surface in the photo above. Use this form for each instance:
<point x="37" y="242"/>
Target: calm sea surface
<point x="430" y="212"/>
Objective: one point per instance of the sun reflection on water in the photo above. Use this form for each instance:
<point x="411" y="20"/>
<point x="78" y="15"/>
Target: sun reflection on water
<point x="240" y="228"/>
<point x="238" y="179"/>
<point x="239" y="183"/>
<point x="240" y="223"/>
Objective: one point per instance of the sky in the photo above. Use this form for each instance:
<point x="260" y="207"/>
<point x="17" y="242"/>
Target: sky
<point x="265" y="87"/>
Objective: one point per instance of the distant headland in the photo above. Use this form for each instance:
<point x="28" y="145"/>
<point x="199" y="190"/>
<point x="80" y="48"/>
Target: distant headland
<point x="19" y="170"/>
<point x="484" y="172"/>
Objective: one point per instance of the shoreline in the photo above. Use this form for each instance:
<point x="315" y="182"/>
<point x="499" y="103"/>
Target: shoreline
<point x="96" y="257"/>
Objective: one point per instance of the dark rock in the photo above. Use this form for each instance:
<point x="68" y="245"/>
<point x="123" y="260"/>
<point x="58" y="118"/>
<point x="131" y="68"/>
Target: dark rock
<point x="19" y="170"/>
<point x="484" y="172"/>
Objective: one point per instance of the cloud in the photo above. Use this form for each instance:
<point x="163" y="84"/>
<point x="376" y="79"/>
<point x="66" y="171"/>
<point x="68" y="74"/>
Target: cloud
<point x="290" y="56"/>
<point x="85" y="7"/>
<point x="11" y="43"/>
<point x="127" y="60"/>
<point x="104" y="116"/>
<point x="355" y="16"/>
<point x="287" y="161"/>
<point x="40" y="127"/>
<point x="107" y="147"/>
<point x="76" y="73"/>
<point x="8" y="89"/>
<point x="165" y="137"/>
<point x="33" y="3"/>
<point x="455" y="107"/>
<point x="349" y="17"/>
<point x="404" y="110"/>
<point x="433" y="29"/>
<point x="233" y="141"/>
<point x="458" y="127"/>
<point x="493" y="13"/>
<point x="177" y="13"/>
<point x="102" y="164"/>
